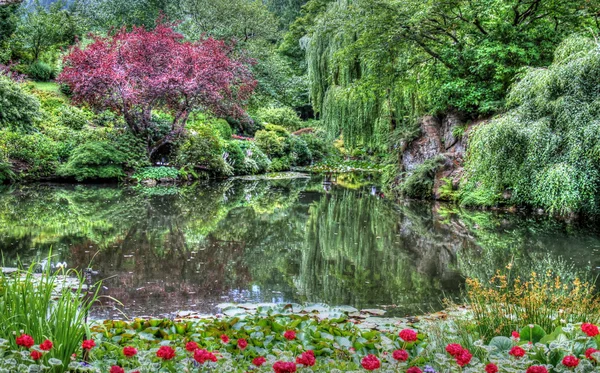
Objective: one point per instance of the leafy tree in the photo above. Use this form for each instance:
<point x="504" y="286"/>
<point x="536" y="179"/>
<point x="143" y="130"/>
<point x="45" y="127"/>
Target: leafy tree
<point x="141" y="72"/>
<point x="107" y="14"/>
<point x="41" y="28"/>
<point x="8" y="20"/>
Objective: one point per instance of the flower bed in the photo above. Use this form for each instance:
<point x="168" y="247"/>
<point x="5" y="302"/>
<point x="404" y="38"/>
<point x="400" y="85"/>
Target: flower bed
<point x="295" y="343"/>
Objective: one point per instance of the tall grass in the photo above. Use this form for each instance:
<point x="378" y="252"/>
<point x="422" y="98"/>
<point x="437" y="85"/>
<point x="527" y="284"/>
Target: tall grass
<point x="508" y="302"/>
<point x="48" y="305"/>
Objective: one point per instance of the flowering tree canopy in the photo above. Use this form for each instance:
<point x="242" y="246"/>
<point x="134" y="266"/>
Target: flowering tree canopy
<point x="139" y="71"/>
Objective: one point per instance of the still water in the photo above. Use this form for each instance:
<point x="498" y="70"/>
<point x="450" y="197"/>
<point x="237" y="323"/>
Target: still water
<point x="161" y="250"/>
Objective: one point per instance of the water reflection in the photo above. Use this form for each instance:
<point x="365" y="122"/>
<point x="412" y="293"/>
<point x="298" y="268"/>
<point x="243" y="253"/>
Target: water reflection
<point x="163" y="250"/>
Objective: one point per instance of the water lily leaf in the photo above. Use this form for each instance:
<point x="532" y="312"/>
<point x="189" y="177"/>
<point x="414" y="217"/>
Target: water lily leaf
<point x="343" y="342"/>
<point x="234" y="312"/>
<point x="146" y="336"/>
<point x="532" y="334"/>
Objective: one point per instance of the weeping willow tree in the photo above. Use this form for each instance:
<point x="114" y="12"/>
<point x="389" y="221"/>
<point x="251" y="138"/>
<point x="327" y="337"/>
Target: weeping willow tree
<point x="361" y="93"/>
<point x="546" y="150"/>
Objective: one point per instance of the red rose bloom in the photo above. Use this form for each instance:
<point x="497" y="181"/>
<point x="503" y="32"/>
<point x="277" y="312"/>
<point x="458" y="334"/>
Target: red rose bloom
<point x="400" y="355"/>
<point x="116" y="369"/>
<point x="165" y="353"/>
<point x="408" y="335"/>
<point x="537" y="369"/>
<point x="413" y="370"/>
<point x="224" y="339"/>
<point x="306" y="359"/>
<point x="242" y="344"/>
<point x="491" y="368"/>
<point x="88" y="344"/>
<point x="590" y="329"/>
<point x="191" y="346"/>
<point x="129" y="351"/>
<point x="35" y="355"/>
<point x="258" y="361"/>
<point x="464" y="358"/>
<point x="203" y="356"/>
<point x="570" y="361"/>
<point x="25" y="340"/>
<point x="290" y="335"/>
<point x="589" y="352"/>
<point x="454" y="349"/>
<point x="517" y="352"/>
<point x="370" y="362"/>
<point x="46" y="345"/>
<point x="516" y="335"/>
<point x="283" y="367"/>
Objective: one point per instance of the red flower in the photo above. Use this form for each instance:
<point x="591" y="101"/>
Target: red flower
<point x="258" y="361"/>
<point x="590" y="329"/>
<point x="88" y="344"/>
<point x="242" y="344"/>
<point x="283" y="367"/>
<point x="454" y="349"/>
<point x="36" y="355"/>
<point x="25" y="340"/>
<point x="400" y="355"/>
<point x="589" y="352"/>
<point x="165" y="353"/>
<point x="306" y="359"/>
<point x="517" y="352"/>
<point x="46" y="345"/>
<point x="203" y="356"/>
<point x="408" y="335"/>
<point x="224" y="339"/>
<point x="116" y="369"/>
<point x="290" y="335"/>
<point x="516" y="335"/>
<point x="570" y="361"/>
<point x="191" y="346"/>
<point x="537" y="369"/>
<point x="129" y="351"/>
<point x="370" y="362"/>
<point x="464" y="358"/>
<point x="413" y="370"/>
<point x="491" y="368"/>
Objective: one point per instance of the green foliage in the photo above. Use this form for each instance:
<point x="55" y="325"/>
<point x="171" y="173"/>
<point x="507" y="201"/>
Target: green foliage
<point x="285" y="117"/>
<point x="280" y="164"/>
<point x="299" y="153"/>
<point x="223" y="127"/>
<point x="33" y="155"/>
<point x="156" y="173"/>
<point x="6" y="172"/>
<point x="235" y="157"/>
<point x="18" y="109"/>
<point x="202" y="150"/>
<point x="8" y="22"/>
<point x="545" y="150"/>
<point x="270" y="143"/>
<point x="256" y="161"/>
<point x="279" y="130"/>
<point x="419" y="183"/>
<point x="318" y="145"/>
<point x="72" y="117"/>
<point x="41" y="71"/>
<point x="94" y="160"/>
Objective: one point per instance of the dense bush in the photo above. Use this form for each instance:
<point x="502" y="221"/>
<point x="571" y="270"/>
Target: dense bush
<point x="256" y="161"/>
<point x="18" y="109"/>
<point x="300" y="154"/>
<point x="235" y="157"/>
<point x="280" y="164"/>
<point x="94" y="160"/>
<point x="202" y="150"/>
<point x="318" y="145"/>
<point x="285" y="117"/>
<point x="136" y="155"/>
<point x="546" y="150"/>
<point x="33" y="155"/>
<point x="41" y="71"/>
<point x="270" y="143"/>
<point x="72" y="117"/>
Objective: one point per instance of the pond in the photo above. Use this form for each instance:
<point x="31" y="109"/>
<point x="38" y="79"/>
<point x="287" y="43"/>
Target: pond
<point x="164" y="249"/>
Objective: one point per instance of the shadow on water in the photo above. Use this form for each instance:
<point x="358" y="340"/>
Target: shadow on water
<point x="167" y="249"/>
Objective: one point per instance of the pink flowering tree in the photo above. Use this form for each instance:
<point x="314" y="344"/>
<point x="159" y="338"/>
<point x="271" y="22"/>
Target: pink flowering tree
<point x="138" y="72"/>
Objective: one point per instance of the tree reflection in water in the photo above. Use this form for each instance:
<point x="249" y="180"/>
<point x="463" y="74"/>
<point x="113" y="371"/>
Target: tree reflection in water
<point x="163" y="250"/>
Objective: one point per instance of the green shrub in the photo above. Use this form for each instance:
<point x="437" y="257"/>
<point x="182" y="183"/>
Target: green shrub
<point x="35" y="155"/>
<point x="134" y="148"/>
<point x="318" y="145"/>
<point x="300" y="154"/>
<point x="41" y="71"/>
<point x="94" y="160"/>
<point x="270" y="143"/>
<point x="202" y="150"/>
<point x="279" y="130"/>
<point x="6" y="172"/>
<point x="222" y="127"/>
<point x="419" y="184"/>
<point x="156" y="173"/>
<point x="18" y="109"/>
<point x="50" y="102"/>
<point x="72" y="117"/>
<point x="256" y="161"/>
<point x="285" y="117"/>
<point x="280" y="164"/>
<point x="235" y="157"/>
